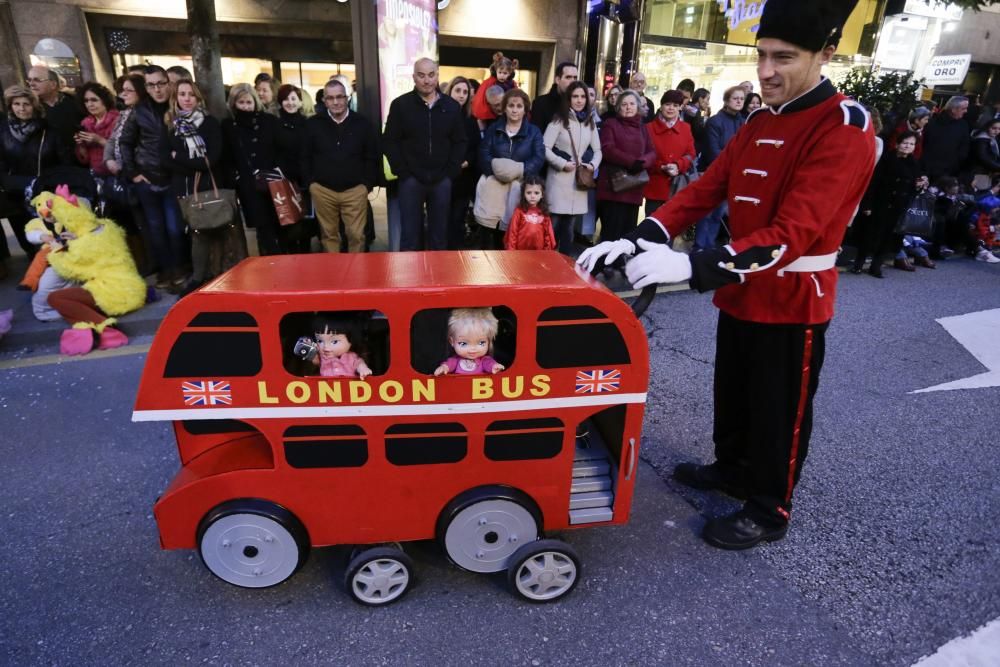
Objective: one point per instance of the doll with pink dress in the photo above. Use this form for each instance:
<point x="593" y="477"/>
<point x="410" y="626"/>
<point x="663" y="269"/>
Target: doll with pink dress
<point x="330" y="349"/>
<point x="471" y="332"/>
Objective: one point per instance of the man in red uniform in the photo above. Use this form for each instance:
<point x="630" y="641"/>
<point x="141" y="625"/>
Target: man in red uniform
<point x="793" y="177"/>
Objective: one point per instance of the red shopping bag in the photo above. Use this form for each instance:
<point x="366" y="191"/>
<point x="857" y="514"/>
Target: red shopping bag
<point x="287" y="201"/>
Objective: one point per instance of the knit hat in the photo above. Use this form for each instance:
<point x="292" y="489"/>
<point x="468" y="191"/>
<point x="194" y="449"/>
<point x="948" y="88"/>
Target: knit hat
<point x="672" y="97"/>
<point x="811" y="24"/>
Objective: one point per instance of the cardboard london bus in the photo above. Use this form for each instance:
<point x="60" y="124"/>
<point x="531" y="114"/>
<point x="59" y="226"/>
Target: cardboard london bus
<point x="276" y="459"/>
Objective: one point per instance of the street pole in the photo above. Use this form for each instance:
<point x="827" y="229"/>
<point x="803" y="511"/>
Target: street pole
<point x="206" y="54"/>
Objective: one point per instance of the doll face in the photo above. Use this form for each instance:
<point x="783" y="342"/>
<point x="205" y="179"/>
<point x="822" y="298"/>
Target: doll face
<point x="503" y="73"/>
<point x="332" y="345"/>
<point x="533" y="194"/>
<point x="470" y="344"/>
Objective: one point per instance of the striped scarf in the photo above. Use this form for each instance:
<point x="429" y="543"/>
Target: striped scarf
<point x="186" y="125"/>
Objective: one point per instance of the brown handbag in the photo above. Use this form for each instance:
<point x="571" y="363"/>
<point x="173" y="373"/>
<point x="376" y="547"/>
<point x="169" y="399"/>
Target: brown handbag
<point x="584" y="176"/>
<point x="622" y="181"/>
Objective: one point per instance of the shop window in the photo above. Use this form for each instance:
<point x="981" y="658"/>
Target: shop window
<point x="333" y="446"/>
<point x="213" y="345"/>
<point x="367" y="332"/>
<point x="423" y="444"/>
<point x="524" y="439"/>
<point x="569" y="337"/>
<point x="429" y="338"/>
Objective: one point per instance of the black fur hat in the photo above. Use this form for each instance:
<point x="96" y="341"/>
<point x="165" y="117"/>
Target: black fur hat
<point x="811" y="24"/>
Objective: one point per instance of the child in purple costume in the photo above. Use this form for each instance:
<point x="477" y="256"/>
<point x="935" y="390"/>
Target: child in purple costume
<point x="470" y="333"/>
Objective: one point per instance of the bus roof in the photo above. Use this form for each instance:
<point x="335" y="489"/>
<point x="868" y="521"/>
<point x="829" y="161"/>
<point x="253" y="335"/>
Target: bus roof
<point x="400" y="271"/>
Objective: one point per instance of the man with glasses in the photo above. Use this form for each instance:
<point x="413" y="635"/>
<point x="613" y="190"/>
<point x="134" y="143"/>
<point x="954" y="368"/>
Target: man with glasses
<point x="340" y="157"/>
<point x="142" y="149"/>
<point x="61" y="111"/>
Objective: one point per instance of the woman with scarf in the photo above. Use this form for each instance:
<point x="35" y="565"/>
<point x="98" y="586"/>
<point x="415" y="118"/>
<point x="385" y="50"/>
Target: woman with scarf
<point x="251" y="140"/>
<point x="96" y="127"/>
<point x="27" y="148"/>
<point x="193" y="149"/>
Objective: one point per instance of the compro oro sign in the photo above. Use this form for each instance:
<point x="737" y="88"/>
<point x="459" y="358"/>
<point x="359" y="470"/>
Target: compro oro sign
<point x="947" y="70"/>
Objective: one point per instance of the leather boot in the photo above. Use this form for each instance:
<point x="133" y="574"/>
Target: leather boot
<point x="902" y="265"/>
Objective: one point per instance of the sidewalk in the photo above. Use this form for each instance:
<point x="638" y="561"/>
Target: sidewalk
<point x="28" y="332"/>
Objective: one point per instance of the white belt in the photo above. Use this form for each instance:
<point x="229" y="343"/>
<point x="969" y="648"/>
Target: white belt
<point x="811" y="264"/>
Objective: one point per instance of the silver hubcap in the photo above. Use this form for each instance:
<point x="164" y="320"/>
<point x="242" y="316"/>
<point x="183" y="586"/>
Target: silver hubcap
<point x="249" y="550"/>
<point x="483" y="536"/>
<point x="545" y="576"/>
<point x="380" y="581"/>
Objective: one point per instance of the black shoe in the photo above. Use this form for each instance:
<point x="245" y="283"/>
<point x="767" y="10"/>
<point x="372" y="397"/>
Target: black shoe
<point x="876" y="272"/>
<point x="708" y="477"/>
<point x="857" y="270"/>
<point x="739" y="531"/>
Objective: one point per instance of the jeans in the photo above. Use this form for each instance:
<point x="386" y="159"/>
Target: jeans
<point x="706" y="233"/>
<point x="412" y="196"/>
<point x="164" y="225"/>
<point x="563" y="226"/>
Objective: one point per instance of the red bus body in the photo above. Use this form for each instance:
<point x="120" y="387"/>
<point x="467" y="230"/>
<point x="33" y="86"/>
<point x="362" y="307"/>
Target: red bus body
<point x="236" y="433"/>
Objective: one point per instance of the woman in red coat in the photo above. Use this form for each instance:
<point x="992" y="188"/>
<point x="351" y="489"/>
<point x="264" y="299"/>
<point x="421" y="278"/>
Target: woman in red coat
<point x="675" y="151"/>
<point x="625" y="146"/>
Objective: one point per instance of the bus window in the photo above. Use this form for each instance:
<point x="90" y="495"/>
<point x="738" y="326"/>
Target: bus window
<point x="572" y="336"/>
<point x="524" y="439"/>
<point x="429" y="338"/>
<point x="339" y="446"/>
<point x="225" y="352"/>
<point x="367" y="331"/>
<point x="420" y="444"/>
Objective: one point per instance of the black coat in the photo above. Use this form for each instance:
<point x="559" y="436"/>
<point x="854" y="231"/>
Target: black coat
<point x="465" y="184"/>
<point x="183" y="168"/>
<point x="544" y="108"/>
<point x="251" y="139"/>
<point x="984" y="157"/>
<point x="64" y="117"/>
<point x="21" y="163"/>
<point x="291" y="137"/>
<point x="142" y="143"/>
<point x="340" y="156"/>
<point x="892" y="187"/>
<point x="946" y="146"/>
<point x="427" y="143"/>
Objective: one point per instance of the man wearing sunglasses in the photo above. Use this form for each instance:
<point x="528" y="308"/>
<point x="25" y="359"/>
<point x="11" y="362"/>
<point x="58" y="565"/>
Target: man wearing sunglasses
<point x="62" y="114"/>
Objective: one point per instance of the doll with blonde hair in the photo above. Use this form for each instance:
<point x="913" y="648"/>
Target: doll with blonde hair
<point x="471" y="332"/>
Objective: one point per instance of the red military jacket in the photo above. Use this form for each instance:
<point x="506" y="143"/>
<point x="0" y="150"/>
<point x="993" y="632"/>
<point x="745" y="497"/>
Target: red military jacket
<point x="793" y="177"/>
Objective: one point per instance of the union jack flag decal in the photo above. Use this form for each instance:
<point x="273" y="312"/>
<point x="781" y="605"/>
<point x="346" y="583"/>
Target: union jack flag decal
<point x="598" y="382"/>
<point x="207" y="392"/>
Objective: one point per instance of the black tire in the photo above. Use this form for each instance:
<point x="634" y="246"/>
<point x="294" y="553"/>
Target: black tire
<point x="273" y="542"/>
<point x="544" y="571"/>
<point x="379" y="576"/>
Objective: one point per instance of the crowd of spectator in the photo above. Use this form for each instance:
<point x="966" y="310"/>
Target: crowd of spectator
<point x="461" y="153"/>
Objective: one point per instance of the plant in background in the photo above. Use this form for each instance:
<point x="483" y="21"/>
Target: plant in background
<point x="889" y="92"/>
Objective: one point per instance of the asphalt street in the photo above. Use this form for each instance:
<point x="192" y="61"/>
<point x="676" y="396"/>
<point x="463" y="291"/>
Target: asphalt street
<point x="891" y="554"/>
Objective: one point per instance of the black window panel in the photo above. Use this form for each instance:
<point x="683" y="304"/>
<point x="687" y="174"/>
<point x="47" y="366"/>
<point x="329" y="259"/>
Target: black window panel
<point x="324" y="429"/>
<point x="406" y="429"/>
<point x="223" y="320"/>
<point x="199" y="354"/>
<point x="423" y="451"/>
<point x="519" y="424"/>
<point x="580" y="345"/>
<point x="523" y="446"/>
<point x="326" y="453"/>
<point x="558" y="313"/>
<point x="215" y="426"/>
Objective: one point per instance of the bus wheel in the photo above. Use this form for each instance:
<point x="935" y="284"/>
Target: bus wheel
<point x="543" y="571"/>
<point x="252" y="543"/>
<point x="379" y="576"/>
<point x="484" y="535"/>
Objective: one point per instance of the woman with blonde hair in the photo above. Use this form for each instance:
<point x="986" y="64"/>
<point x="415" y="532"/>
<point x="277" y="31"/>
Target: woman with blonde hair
<point x="194" y="140"/>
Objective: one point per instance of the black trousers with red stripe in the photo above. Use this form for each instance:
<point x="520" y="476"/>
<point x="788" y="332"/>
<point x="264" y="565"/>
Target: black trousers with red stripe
<point x="766" y="376"/>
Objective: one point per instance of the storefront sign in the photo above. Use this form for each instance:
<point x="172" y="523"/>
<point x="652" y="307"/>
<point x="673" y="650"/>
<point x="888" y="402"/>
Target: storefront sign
<point x="743" y="14"/>
<point x="933" y="9"/>
<point x="947" y="70"/>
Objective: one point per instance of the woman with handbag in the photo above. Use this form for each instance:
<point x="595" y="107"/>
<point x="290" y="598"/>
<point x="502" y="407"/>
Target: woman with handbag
<point x="628" y="154"/>
<point x="896" y="180"/>
<point x="675" y="152"/>
<point x="573" y="151"/>
<point x="291" y="134"/>
<point x="251" y="139"/>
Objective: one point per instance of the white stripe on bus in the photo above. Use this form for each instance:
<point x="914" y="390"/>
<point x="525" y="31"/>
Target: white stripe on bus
<point x="384" y="410"/>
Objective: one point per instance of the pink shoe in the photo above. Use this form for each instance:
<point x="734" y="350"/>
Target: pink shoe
<point x="76" y="341"/>
<point x="111" y="338"/>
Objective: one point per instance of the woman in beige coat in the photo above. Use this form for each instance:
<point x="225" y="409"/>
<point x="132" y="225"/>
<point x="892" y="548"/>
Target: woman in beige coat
<point x="571" y="139"/>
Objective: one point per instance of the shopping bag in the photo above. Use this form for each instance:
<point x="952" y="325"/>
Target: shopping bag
<point x="918" y="217"/>
<point x="287" y="201"/>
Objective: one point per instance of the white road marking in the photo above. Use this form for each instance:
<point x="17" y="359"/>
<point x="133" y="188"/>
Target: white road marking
<point x="979" y="333"/>
<point x="980" y="649"/>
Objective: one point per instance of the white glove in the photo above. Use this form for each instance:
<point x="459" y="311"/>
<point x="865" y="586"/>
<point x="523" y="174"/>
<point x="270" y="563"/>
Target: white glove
<point x="658" y="264"/>
<point x="609" y="250"/>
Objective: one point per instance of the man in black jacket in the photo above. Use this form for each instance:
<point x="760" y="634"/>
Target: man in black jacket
<point x="339" y="162"/>
<point x="424" y="141"/>
<point x="946" y="140"/>
<point x="546" y="106"/>
<point x="62" y="113"/>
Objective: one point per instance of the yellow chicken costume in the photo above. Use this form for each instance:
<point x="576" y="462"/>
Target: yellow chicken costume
<point x="96" y="256"/>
